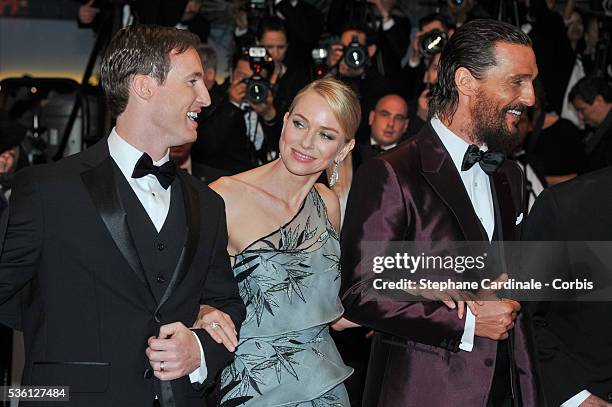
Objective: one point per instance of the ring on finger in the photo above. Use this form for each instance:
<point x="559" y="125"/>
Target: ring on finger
<point x="214" y="325"/>
<point x="161" y="366"/>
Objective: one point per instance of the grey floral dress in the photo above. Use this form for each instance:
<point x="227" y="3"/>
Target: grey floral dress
<point x="289" y="281"/>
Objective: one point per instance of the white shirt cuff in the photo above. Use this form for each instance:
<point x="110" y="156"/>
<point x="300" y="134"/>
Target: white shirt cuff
<point x="201" y="373"/>
<point x="577" y="399"/>
<point x="467" y="340"/>
<point x="386" y="25"/>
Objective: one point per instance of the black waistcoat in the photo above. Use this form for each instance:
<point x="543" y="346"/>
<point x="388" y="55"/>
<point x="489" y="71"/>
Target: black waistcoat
<point x="158" y="252"/>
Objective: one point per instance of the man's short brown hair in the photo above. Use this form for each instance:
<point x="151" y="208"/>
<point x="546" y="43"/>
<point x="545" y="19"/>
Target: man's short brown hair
<point x="140" y="49"/>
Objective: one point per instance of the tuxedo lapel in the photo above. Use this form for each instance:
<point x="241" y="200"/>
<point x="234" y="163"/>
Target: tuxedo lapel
<point x="99" y="180"/>
<point x="507" y="211"/>
<point x="440" y="172"/>
<point x="192" y="211"/>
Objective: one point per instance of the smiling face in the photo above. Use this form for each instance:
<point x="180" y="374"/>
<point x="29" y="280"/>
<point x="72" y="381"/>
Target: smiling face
<point x="503" y="95"/>
<point x="389" y="120"/>
<point x="176" y="103"/>
<point x="312" y="138"/>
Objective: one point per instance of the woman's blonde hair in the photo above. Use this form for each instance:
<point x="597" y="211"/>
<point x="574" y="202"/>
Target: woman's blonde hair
<point x="342" y="101"/>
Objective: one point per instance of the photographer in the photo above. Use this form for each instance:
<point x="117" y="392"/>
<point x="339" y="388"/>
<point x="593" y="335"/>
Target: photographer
<point x="285" y="81"/>
<point x="303" y="23"/>
<point x="430" y="26"/>
<point x="390" y="27"/>
<point x="350" y="60"/>
<point x="241" y="133"/>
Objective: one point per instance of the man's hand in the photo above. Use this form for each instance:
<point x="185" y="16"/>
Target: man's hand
<point x="415" y="50"/>
<point x="219" y="326"/>
<point x="594" y="401"/>
<point x="174" y="353"/>
<point x="335" y="53"/>
<point x="87" y="12"/>
<point x="237" y="91"/>
<point x="495" y="318"/>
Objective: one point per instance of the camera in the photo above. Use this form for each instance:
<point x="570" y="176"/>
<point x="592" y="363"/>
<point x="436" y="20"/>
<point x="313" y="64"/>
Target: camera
<point x="257" y="86"/>
<point x="433" y="42"/>
<point x="355" y="55"/>
<point x="319" y="61"/>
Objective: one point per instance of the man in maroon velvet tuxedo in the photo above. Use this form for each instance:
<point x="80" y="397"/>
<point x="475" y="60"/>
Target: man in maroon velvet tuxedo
<point x="448" y="183"/>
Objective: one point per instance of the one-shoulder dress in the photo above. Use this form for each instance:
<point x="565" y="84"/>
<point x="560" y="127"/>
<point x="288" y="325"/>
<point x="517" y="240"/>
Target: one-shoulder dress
<point x="289" y="281"/>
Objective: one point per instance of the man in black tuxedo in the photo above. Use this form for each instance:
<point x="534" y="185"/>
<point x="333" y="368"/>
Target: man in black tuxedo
<point x="574" y="345"/>
<point x="118" y="250"/>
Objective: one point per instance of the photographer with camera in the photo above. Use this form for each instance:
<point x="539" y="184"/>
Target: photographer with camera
<point x="285" y="80"/>
<point x="434" y="31"/>
<point x="303" y="25"/>
<point x="389" y="25"/>
<point x="242" y="133"/>
<point x="350" y="61"/>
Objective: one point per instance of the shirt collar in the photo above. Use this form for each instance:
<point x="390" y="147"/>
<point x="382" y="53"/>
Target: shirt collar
<point x="126" y="155"/>
<point x="383" y="148"/>
<point x="454" y="144"/>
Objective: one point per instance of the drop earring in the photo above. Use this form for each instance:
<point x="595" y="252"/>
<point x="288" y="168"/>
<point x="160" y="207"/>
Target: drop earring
<point x="334" y="177"/>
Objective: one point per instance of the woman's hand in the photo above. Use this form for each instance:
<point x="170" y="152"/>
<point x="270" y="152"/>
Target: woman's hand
<point x="219" y="326"/>
<point x="342" y="323"/>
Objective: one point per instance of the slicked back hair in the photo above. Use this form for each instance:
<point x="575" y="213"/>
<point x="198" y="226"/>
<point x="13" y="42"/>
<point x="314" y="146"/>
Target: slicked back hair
<point x="140" y="49"/>
<point x="342" y="101"/>
<point x="472" y="47"/>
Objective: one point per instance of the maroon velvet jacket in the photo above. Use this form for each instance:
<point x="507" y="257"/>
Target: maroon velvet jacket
<point x="415" y="193"/>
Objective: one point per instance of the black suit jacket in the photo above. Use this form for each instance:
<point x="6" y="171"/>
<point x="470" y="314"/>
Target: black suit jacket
<point x="223" y="140"/>
<point x="574" y="341"/>
<point x="88" y="311"/>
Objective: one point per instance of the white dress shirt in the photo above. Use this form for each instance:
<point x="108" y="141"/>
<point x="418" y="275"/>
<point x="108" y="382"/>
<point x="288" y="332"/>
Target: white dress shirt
<point x="478" y="188"/>
<point x="156" y="202"/>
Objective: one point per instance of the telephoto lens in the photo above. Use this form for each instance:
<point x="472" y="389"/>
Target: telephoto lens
<point x="355" y="54"/>
<point x="433" y="42"/>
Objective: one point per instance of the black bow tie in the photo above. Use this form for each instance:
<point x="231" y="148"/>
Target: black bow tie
<point x="489" y="161"/>
<point x="165" y="173"/>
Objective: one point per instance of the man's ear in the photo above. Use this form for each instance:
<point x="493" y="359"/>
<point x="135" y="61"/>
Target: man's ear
<point x="405" y="125"/>
<point x="464" y="81"/>
<point x="143" y="86"/>
<point x="371" y="117"/>
<point x="372" y="50"/>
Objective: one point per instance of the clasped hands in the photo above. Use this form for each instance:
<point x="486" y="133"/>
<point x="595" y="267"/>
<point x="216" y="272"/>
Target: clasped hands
<point x="494" y="316"/>
<point x="175" y="352"/>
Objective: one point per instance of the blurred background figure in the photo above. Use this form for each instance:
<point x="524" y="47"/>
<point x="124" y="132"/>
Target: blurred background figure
<point x="592" y="99"/>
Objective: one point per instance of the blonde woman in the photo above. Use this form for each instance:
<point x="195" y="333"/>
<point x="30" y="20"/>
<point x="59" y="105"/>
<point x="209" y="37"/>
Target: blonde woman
<point x="283" y="240"/>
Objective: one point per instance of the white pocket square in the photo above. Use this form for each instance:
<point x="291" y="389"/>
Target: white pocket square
<point x="519" y="219"/>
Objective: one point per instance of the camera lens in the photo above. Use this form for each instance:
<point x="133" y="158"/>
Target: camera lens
<point x="355" y="54"/>
<point x="257" y="89"/>
<point x="433" y="42"/>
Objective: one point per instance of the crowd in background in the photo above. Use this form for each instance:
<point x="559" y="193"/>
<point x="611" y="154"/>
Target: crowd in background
<point x="390" y="60"/>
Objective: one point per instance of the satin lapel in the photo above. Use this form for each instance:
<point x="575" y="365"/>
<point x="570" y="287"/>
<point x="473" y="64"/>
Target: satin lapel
<point x="100" y="182"/>
<point x="507" y="215"/>
<point x="440" y="172"/>
<point x="192" y="211"/>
